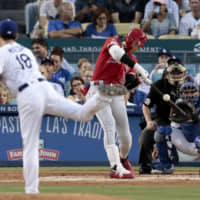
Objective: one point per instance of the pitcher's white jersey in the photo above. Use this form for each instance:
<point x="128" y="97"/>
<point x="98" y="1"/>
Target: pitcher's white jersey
<point x="17" y="66"/>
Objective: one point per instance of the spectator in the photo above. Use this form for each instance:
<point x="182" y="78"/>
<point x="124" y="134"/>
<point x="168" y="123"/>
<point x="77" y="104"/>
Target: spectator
<point x="196" y="32"/>
<point x="139" y="10"/>
<point x="100" y="27"/>
<point x="31" y="15"/>
<point x="87" y="76"/>
<point x="191" y="19"/>
<point x="163" y="57"/>
<point x="160" y="22"/>
<point x="122" y="10"/>
<point x="184" y="6"/>
<point x="64" y="26"/>
<point x="135" y="97"/>
<point x="4" y="95"/>
<point x="77" y="86"/>
<point x="61" y="75"/>
<point x="172" y="8"/>
<point x="83" y="65"/>
<point x="44" y="69"/>
<point x="40" y="50"/>
<point x="86" y="8"/>
<point x="47" y="11"/>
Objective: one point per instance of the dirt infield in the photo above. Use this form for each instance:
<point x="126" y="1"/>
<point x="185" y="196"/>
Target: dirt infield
<point x="92" y="178"/>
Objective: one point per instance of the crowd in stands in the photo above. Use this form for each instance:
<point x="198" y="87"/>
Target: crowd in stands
<point x="99" y="18"/>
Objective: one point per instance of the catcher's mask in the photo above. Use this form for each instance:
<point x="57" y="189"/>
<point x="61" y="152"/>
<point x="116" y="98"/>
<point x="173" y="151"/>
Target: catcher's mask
<point x="135" y="34"/>
<point x="176" y="74"/>
<point x="189" y="91"/>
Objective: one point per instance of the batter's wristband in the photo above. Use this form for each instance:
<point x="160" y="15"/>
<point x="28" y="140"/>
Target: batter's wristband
<point x="126" y="59"/>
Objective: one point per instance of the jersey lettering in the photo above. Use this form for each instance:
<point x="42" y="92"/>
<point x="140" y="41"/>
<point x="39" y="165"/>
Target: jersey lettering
<point x="24" y="60"/>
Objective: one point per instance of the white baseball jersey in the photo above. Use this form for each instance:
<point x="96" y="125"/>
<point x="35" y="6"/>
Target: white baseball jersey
<point x="37" y="97"/>
<point x="18" y="66"/>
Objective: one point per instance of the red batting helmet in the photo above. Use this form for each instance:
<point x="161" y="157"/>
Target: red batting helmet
<point x="135" y="34"/>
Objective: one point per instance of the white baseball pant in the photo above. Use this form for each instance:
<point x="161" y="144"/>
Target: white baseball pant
<point x="112" y="118"/>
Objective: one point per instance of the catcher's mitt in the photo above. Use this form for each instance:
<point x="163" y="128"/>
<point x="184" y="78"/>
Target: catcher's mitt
<point x="187" y="108"/>
<point x="112" y="89"/>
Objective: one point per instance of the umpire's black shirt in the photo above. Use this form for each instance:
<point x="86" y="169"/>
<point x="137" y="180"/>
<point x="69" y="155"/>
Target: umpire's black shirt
<point x="162" y="108"/>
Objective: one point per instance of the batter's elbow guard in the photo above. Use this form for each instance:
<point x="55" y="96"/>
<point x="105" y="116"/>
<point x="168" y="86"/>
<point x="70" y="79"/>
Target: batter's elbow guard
<point x="126" y="59"/>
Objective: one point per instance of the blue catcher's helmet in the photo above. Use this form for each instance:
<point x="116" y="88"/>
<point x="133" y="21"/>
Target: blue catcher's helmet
<point x="189" y="91"/>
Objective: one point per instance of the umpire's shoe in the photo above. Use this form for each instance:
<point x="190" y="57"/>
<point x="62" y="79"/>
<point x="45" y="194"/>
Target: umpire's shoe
<point x="118" y="171"/>
<point x="127" y="165"/>
<point x="145" y="169"/>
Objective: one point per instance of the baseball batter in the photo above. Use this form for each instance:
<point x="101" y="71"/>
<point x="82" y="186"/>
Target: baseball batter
<point x="110" y="69"/>
<point x="35" y="97"/>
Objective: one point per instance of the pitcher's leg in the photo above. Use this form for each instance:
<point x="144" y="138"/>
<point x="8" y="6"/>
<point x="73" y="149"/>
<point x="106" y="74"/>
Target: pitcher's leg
<point x="30" y="122"/>
<point x="66" y="108"/>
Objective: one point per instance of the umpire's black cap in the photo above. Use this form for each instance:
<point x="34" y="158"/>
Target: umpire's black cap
<point x="8" y="27"/>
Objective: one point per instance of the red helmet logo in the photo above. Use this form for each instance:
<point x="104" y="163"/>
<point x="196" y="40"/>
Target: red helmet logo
<point x="135" y="34"/>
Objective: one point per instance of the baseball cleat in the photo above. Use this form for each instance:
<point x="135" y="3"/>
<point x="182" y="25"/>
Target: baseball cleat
<point x="120" y="172"/>
<point x="145" y="169"/>
<point x="127" y="165"/>
<point x="160" y="169"/>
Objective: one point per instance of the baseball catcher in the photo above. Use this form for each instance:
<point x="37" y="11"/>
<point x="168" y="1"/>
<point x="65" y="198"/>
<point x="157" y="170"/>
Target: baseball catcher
<point x="186" y="129"/>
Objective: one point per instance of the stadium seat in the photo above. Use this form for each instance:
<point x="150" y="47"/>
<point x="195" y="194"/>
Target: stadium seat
<point x="124" y="28"/>
<point x="84" y="25"/>
<point x="150" y="36"/>
<point x="174" y="37"/>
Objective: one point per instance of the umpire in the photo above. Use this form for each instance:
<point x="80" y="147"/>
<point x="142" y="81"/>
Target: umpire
<point x="173" y="77"/>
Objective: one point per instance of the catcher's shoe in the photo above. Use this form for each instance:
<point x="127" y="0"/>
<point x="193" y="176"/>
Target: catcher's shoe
<point x="160" y="169"/>
<point x="127" y="165"/>
<point x="120" y="172"/>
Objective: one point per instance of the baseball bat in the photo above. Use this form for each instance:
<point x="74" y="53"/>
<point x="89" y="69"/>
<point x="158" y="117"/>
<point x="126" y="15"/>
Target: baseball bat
<point x="166" y="98"/>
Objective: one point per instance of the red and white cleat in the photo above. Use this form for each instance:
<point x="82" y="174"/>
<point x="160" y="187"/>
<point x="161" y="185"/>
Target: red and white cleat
<point x="120" y="172"/>
<point x="127" y="165"/>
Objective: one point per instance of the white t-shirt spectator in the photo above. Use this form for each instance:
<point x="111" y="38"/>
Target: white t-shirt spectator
<point x="187" y="24"/>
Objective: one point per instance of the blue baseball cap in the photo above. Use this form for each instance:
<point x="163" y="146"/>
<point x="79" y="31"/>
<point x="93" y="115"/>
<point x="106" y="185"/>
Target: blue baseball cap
<point x="8" y="27"/>
<point x="164" y="51"/>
